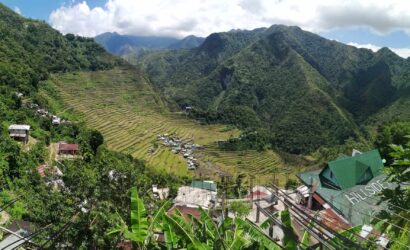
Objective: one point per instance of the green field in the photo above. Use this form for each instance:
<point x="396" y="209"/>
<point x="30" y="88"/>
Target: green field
<point x="130" y="115"/>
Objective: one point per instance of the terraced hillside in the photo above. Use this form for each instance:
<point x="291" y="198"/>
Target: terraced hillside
<point x="127" y="111"/>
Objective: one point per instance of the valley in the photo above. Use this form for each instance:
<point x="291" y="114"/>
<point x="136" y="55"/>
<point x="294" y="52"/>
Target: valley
<point x="130" y="115"/>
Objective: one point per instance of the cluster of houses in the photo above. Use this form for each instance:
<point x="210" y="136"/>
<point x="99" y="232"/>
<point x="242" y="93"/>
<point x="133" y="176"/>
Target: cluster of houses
<point x="342" y="195"/>
<point x="55" y="120"/>
<point x="21" y="132"/>
<point x="178" y="146"/>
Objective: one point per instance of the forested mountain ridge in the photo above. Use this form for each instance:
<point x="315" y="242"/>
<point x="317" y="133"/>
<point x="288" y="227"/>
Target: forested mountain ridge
<point x="306" y="91"/>
<point x="127" y="44"/>
<point x="30" y="49"/>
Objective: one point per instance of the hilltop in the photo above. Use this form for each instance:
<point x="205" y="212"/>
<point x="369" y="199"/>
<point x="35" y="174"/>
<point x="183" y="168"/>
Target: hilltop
<point x="303" y="90"/>
<point x="125" y="44"/>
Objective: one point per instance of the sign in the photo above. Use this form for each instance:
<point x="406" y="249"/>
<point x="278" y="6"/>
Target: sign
<point x="368" y="191"/>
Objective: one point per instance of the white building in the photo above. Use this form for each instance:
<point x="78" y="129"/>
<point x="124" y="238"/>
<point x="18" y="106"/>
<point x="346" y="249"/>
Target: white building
<point x="195" y="197"/>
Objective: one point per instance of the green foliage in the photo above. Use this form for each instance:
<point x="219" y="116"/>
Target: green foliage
<point x="139" y="220"/>
<point x="289" y="239"/>
<point x="393" y="133"/>
<point x="305" y="91"/>
<point x="240" y="209"/>
<point x="399" y="197"/>
<point x="291" y="184"/>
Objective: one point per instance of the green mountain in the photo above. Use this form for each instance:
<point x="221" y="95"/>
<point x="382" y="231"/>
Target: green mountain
<point x="126" y="44"/>
<point x="30" y="50"/>
<point x="304" y="90"/>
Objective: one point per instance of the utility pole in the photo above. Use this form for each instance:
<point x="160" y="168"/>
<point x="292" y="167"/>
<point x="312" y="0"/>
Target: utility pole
<point x="223" y="196"/>
<point x="310" y="193"/>
<point x="258" y="201"/>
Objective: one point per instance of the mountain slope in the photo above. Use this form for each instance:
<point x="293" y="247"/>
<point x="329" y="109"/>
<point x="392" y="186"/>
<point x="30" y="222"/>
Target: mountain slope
<point x="126" y="44"/>
<point x="30" y="50"/>
<point x="305" y="90"/>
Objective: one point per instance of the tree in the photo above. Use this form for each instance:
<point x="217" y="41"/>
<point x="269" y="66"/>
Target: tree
<point x="95" y="139"/>
<point x="399" y="197"/>
<point x="240" y="209"/>
<point x="190" y="232"/>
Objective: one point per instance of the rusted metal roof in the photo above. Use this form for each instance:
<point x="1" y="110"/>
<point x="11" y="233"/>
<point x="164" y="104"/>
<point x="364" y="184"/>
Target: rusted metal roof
<point x="44" y="169"/>
<point x="67" y="147"/>
<point x="185" y="210"/>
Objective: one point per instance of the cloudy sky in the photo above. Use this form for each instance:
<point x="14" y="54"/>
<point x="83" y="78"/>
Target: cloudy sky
<point x="362" y="23"/>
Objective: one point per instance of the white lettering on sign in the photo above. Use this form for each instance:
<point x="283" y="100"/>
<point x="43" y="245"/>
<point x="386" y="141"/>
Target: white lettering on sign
<point x="368" y="191"/>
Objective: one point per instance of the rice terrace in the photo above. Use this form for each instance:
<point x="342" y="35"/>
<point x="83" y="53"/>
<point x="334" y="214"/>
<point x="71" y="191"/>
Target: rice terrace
<point x="131" y="116"/>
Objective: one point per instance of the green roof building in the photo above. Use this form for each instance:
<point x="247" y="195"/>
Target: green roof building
<point x="350" y="186"/>
<point x="207" y="185"/>
<point x="348" y="172"/>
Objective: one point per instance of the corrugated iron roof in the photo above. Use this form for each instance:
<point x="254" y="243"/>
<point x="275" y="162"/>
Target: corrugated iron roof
<point x="204" y="185"/>
<point x="19" y="127"/>
<point x="185" y="210"/>
<point x="360" y="208"/>
<point x="44" y="169"/>
<point x="350" y="171"/>
<point x="67" y="147"/>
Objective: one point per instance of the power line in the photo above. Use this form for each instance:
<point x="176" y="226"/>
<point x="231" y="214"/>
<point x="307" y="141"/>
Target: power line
<point x="28" y="238"/>
<point x="374" y="217"/>
<point x="324" y="226"/>
<point x="55" y="236"/>
<point x="371" y="233"/>
<point x="284" y="228"/>
<point x="326" y="218"/>
<point x="9" y="204"/>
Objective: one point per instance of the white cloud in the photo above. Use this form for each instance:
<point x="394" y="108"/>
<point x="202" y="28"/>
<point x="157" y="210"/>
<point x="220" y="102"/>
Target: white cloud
<point x="403" y="52"/>
<point x="370" y="46"/>
<point x="199" y="17"/>
<point x="17" y="10"/>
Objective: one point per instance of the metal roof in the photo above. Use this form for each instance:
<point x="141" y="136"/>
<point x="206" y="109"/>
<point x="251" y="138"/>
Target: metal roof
<point x="207" y="185"/>
<point x="19" y="127"/>
<point x="350" y="171"/>
<point x="67" y="147"/>
<point x="358" y="204"/>
<point x="12" y="241"/>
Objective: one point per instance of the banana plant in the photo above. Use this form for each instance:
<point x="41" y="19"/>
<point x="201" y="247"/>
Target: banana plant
<point x="141" y="227"/>
<point x="188" y="232"/>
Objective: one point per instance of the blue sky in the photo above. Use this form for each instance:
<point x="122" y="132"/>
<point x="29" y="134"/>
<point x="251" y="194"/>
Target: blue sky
<point x="41" y="9"/>
<point x="361" y="23"/>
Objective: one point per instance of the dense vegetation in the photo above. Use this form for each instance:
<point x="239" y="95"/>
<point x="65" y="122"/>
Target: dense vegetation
<point x="394" y="141"/>
<point x="30" y="50"/>
<point x="304" y="90"/>
<point x="96" y="185"/>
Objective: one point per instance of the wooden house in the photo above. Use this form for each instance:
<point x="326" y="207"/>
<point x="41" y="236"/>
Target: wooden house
<point x="19" y="132"/>
<point x="67" y="149"/>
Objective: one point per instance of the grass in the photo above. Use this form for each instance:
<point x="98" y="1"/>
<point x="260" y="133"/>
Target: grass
<point x="130" y="115"/>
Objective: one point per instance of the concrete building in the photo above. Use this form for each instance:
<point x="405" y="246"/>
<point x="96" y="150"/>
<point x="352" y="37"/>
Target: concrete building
<point x="195" y="197"/>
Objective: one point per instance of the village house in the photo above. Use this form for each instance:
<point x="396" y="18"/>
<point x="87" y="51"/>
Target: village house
<point x="189" y="198"/>
<point x="67" y="150"/>
<point x="20" y="132"/>
<point x="56" y="120"/>
<point x="51" y="175"/>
